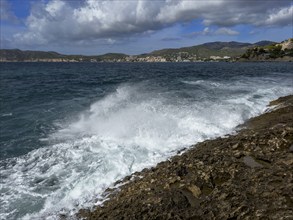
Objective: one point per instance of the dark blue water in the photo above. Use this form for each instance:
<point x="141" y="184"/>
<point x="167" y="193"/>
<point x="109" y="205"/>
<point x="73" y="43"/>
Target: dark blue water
<point x="57" y="117"/>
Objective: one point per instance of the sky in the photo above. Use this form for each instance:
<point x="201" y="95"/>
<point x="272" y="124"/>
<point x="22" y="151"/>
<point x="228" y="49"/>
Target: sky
<point x="93" y="27"/>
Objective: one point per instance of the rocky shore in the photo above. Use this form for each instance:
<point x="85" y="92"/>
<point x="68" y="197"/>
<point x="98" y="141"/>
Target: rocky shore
<point x="248" y="175"/>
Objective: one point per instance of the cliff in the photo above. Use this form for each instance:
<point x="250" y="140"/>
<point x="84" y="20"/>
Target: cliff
<point x="243" y="176"/>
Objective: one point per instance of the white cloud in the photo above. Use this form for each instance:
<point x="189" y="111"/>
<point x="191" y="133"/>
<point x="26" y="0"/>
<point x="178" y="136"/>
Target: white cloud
<point x="206" y="31"/>
<point x="226" y="31"/>
<point x="58" y="20"/>
<point x="62" y="21"/>
<point x="281" y="16"/>
<point x="212" y="32"/>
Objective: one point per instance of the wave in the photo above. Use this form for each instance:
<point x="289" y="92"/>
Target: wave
<point x="124" y="132"/>
<point x="6" y="114"/>
<point x="202" y="83"/>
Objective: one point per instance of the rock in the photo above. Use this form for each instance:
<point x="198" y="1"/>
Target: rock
<point x="249" y="161"/>
<point x="194" y="190"/>
<point x="238" y="154"/>
<point x="235" y="146"/>
<point x="291" y="148"/>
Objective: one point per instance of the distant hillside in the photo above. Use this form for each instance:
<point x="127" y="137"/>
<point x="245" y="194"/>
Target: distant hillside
<point x="277" y="51"/>
<point x="19" y="55"/>
<point x="110" y="56"/>
<point x="264" y="43"/>
<point x="231" y="49"/>
<point x="50" y="56"/>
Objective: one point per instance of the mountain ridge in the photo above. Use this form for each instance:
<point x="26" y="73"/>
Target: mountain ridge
<point x="217" y="48"/>
<point x="230" y="49"/>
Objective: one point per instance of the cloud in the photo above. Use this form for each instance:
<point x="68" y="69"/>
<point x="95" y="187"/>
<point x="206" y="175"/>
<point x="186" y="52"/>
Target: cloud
<point x="226" y="31"/>
<point x="257" y="13"/>
<point x="211" y="32"/>
<point x="281" y="16"/>
<point x="5" y="12"/>
<point x="206" y="31"/>
<point x="60" y="21"/>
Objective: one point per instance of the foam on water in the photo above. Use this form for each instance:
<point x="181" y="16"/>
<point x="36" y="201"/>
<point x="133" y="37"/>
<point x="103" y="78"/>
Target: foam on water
<point x="207" y="83"/>
<point x="6" y="114"/>
<point x="124" y="132"/>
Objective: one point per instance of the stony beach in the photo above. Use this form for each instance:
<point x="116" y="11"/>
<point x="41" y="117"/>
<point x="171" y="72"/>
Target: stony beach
<point x="247" y="175"/>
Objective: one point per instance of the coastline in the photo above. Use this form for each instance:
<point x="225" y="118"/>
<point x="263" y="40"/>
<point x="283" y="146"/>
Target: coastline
<point x="262" y="51"/>
<point x="246" y="175"/>
<point x="234" y="60"/>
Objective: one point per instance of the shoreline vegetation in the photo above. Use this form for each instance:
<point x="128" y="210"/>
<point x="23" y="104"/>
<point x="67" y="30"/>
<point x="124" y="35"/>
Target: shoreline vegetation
<point x="247" y="175"/>
<point x="208" y="52"/>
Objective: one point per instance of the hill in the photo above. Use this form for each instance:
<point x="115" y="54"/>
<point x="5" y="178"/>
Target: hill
<point x="207" y="51"/>
<point x="231" y="49"/>
<point x="17" y="55"/>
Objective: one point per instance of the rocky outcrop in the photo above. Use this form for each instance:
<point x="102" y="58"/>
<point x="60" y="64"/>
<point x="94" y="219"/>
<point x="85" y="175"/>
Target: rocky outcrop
<point x="276" y="52"/>
<point x="287" y="44"/>
<point x="243" y="176"/>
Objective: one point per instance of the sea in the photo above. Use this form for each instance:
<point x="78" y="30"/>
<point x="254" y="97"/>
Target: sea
<point x="71" y="130"/>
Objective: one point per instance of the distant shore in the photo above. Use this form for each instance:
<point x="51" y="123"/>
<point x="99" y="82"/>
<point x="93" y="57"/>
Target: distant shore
<point x="207" y="52"/>
<point x="283" y="59"/>
<point x="246" y="175"/>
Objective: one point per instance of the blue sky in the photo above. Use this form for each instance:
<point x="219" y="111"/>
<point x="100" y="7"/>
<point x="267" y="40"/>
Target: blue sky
<point x="139" y="26"/>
